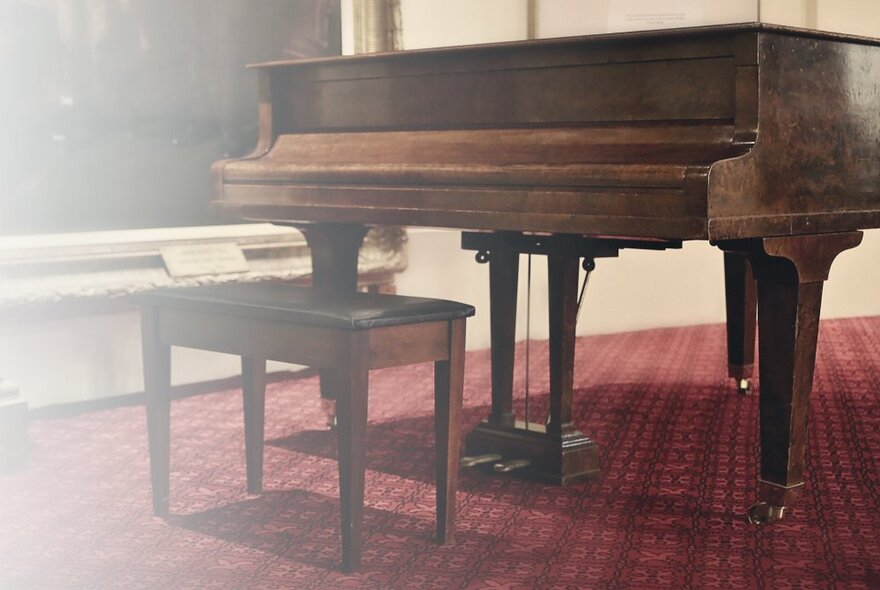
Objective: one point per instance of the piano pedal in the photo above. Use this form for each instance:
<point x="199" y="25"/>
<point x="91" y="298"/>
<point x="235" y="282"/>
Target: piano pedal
<point x="474" y="460"/>
<point x="744" y="387"/>
<point x="512" y="465"/>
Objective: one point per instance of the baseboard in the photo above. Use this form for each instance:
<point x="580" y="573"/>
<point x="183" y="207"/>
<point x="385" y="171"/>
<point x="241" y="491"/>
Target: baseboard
<point x="68" y="410"/>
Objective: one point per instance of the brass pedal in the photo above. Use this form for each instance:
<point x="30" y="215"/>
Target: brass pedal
<point x="474" y="460"/>
<point x="513" y="465"/>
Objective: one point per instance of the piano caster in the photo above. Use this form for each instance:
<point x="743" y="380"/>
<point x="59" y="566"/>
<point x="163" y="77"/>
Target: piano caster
<point x="744" y="386"/>
<point x="328" y="407"/>
<point x="512" y="465"/>
<point x="474" y="460"/>
<point x="764" y="513"/>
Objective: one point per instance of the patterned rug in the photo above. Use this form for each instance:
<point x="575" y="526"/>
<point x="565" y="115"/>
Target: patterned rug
<point x="678" y="454"/>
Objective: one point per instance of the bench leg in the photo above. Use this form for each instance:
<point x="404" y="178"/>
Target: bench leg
<point x="448" y="391"/>
<point x="157" y="390"/>
<point x="350" y="381"/>
<point x="253" y="385"/>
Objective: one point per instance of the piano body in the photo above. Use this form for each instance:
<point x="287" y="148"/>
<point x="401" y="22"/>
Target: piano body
<point x="764" y="140"/>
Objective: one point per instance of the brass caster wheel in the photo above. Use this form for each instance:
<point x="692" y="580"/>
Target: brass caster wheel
<point x="764" y="513"/>
<point x="328" y="408"/>
<point x="744" y="387"/>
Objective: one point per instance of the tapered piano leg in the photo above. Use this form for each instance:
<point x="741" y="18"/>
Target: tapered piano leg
<point x="335" y="248"/>
<point x="562" y="276"/>
<point x="790" y="273"/>
<point x="578" y="455"/>
<point x="489" y="441"/>
<point x="741" y="299"/>
<point x="503" y="282"/>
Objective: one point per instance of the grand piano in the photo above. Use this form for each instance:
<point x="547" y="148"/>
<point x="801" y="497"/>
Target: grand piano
<point x="764" y="140"/>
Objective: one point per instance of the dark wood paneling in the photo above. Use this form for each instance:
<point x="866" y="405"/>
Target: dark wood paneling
<point x="644" y="46"/>
<point x="661" y="214"/>
<point x="645" y="91"/>
<point x="655" y="156"/>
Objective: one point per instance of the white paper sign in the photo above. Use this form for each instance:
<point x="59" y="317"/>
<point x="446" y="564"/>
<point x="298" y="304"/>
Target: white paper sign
<point x="204" y="259"/>
<point x="642" y="15"/>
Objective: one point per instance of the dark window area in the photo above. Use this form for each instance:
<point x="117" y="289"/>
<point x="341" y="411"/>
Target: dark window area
<point x="112" y="111"/>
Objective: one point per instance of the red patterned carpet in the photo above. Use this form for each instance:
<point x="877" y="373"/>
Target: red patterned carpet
<point x="678" y="454"/>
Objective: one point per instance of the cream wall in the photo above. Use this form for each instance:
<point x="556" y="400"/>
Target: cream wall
<point x="640" y="289"/>
<point x="559" y="18"/>
<point x="461" y="22"/>
<point x="856" y="17"/>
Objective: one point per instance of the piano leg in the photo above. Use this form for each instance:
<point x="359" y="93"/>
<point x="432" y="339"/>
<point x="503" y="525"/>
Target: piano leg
<point x="562" y="276"/>
<point x="503" y="283"/>
<point x="790" y="273"/>
<point x="556" y="453"/>
<point x="741" y="299"/>
<point x="335" y="248"/>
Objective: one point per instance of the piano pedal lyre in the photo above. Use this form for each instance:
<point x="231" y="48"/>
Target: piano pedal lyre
<point x="474" y="460"/>
<point x="512" y="465"/>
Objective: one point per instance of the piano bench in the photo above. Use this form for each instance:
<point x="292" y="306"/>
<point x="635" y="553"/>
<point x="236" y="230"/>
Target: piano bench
<point x="345" y="336"/>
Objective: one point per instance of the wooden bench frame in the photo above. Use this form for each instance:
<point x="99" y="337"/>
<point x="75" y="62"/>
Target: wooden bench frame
<point x="348" y="355"/>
